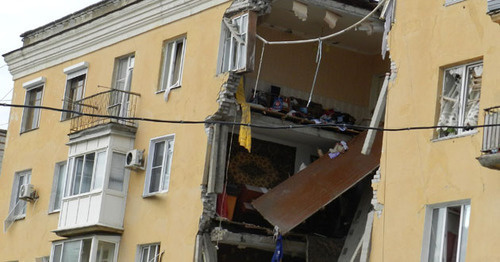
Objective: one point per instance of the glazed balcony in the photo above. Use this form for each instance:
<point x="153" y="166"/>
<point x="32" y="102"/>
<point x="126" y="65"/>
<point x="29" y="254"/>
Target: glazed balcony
<point x="491" y="139"/>
<point x="115" y="103"/>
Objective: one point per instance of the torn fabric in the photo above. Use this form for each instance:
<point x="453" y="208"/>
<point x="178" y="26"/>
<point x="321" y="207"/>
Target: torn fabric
<point x="245" y="137"/>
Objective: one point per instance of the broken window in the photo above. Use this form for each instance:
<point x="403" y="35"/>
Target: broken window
<point x="31" y="116"/>
<point x="460" y="99"/>
<point x="148" y="253"/>
<point x="447" y="229"/>
<point x="124" y="69"/>
<point x="233" y="53"/>
<point x="160" y="160"/>
<point x="173" y="60"/>
<point x="75" y="84"/>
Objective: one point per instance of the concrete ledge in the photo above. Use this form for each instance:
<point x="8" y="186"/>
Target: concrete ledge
<point x="86" y="230"/>
<point x="490" y="161"/>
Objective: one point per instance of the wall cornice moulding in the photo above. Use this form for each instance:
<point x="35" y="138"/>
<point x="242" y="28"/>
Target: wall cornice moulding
<point x="102" y="32"/>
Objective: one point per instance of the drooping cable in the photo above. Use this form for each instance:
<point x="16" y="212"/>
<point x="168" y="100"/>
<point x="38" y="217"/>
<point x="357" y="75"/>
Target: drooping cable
<point x="341" y="126"/>
<point x="318" y="61"/>
<point x="258" y="71"/>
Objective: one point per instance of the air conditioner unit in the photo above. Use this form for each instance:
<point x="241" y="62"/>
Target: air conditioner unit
<point x="27" y="192"/>
<point x="134" y="159"/>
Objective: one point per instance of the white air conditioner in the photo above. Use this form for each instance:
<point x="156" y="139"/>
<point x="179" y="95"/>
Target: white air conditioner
<point x="134" y="159"/>
<point x="27" y="192"/>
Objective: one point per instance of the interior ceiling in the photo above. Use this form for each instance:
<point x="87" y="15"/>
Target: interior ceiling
<point x="283" y="18"/>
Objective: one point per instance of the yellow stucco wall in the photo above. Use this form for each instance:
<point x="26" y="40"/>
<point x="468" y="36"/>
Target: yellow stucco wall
<point x="170" y="218"/>
<point x="416" y="171"/>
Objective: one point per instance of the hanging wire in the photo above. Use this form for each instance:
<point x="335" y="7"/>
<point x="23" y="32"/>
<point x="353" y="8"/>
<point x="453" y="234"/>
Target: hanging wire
<point x="380" y="4"/>
<point x="258" y="72"/>
<point x="318" y="61"/>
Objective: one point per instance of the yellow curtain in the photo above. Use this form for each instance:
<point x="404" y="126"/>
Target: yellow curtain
<point x="245" y="131"/>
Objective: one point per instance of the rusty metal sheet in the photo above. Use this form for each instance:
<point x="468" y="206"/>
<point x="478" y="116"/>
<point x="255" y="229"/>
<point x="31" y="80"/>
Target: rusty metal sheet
<point x="303" y="194"/>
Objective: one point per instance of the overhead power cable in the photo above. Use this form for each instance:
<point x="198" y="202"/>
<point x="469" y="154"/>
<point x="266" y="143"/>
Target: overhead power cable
<point x="291" y="126"/>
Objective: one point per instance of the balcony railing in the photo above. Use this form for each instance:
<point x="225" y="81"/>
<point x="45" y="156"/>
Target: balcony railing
<point x="95" y="109"/>
<point x="491" y="137"/>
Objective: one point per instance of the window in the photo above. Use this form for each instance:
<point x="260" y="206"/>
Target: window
<point x="234" y="39"/>
<point x="75" y="85"/>
<point x="17" y="208"/>
<point x="31" y="116"/>
<point x="124" y="69"/>
<point x="86" y="173"/>
<point x="460" y="99"/>
<point x="149" y="253"/>
<point x="57" y="187"/>
<point x="95" y="248"/>
<point x="159" y="164"/>
<point x="117" y="174"/>
<point x="447" y="227"/>
<point x="173" y="60"/>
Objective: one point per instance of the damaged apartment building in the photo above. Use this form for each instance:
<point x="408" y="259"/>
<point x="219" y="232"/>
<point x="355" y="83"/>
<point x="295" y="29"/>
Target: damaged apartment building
<point x="130" y="106"/>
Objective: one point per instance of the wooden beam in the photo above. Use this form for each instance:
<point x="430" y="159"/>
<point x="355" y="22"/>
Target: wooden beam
<point x="267" y="243"/>
<point x="377" y="116"/>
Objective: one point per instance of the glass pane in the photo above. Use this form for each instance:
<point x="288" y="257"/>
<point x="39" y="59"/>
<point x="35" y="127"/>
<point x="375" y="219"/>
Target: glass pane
<point x="474" y="79"/>
<point x="100" y="170"/>
<point x="166" y="66"/>
<point x="451" y="234"/>
<point x="153" y="252"/>
<point x="88" y="169"/>
<point x="177" y="63"/>
<point x="77" y="175"/>
<point x="158" y="154"/>
<point x="67" y="187"/>
<point x="464" y="232"/>
<point x="117" y="174"/>
<point x="144" y="254"/>
<point x="437" y="233"/>
<point x="57" y="253"/>
<point x="105" y="251"/>
<point x="168" y="164"/>
<point x="450" y="101"/>
<point x="154" y="182"/>
<point x="61" y="174"/>
<point x="71" y="251"/>
<point x="85" y="256"/>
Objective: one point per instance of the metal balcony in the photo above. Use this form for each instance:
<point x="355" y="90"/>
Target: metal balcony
<point x="491" y="139"/>
<point x="113" y="105"/>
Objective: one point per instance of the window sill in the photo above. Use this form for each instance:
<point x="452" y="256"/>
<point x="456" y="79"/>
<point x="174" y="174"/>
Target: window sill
<point x="163" y="91"/>
<point x="464" y="134"/>
<point x="54" y="212"/>
<point x="28" y="130"/>
<point x="155" y="194"/>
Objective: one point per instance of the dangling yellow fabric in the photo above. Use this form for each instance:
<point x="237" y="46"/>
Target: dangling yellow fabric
<point x="245" y="131"/>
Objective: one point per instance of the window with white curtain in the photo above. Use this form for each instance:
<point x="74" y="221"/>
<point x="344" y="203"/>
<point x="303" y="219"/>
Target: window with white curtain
<point x="459" y="103"/>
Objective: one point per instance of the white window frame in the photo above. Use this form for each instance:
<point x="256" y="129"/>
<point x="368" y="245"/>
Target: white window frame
<point x="58" y="184"/>
<point x="451" y="2"/>
<point x="119" y="101"/>
<point x="72" y="72"/>
<point x="233" y="44"/>
<point x="93" y="246"/>
<point x="143" y="247"/>
<point x="68" y="191"/>
<point x="166" y="165"/>
<point x="462" y="100"/>
<point x="31" y="87"/>
<point x="16" y="185"/>
<point x="168" y="67"/>
<point x="465" y="207"/>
